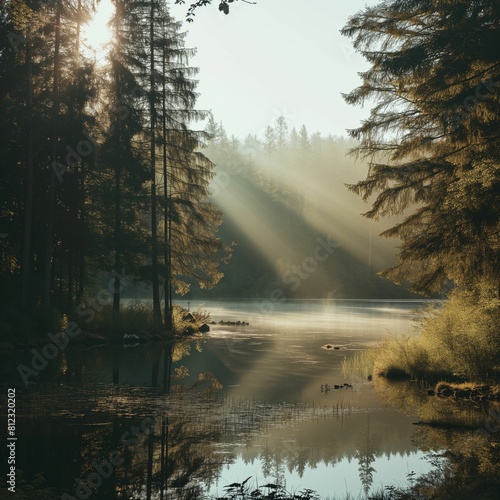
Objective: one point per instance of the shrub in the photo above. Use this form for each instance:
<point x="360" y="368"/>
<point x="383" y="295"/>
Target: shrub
<point x="463" y="338"/>
<point x="459" y="340"/>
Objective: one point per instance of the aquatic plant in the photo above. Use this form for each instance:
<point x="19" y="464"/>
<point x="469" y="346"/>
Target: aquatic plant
<point x="247" y="490"/>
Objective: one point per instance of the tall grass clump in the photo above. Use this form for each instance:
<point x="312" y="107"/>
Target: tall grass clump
<point x="136" y="318"/>
<point x="360" y="364"/>
<point x="402" y="357"/>
<point x="463" y="337"/>
<point x="460" y="340"/>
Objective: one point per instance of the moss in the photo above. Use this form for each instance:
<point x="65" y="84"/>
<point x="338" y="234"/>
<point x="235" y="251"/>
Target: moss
<point x="477" y="392"/>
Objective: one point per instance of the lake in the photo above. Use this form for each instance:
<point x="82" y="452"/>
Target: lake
<point x="244" y="401"/>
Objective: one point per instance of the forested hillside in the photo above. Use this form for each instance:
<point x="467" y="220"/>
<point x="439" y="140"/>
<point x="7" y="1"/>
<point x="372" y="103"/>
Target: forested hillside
<point x="296" y="226"/>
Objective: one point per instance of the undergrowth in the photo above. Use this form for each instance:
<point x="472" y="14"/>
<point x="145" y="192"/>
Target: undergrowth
<point x="458" y="341"/>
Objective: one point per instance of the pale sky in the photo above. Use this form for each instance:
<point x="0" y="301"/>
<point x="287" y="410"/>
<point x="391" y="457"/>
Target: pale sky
<point x="277" y="57"/>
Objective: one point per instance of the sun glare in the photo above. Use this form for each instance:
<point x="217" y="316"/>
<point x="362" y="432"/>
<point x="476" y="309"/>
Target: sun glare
<point x="96" y="35"/>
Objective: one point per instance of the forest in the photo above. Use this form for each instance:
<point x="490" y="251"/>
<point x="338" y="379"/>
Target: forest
<point x="281" y="194"/>
<point x="125" y="183"/>
<point x="104" y="177"/>
<point x="111" y="173"/>
<point x="121" y="197"/>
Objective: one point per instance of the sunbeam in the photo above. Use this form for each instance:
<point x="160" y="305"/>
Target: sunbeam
<point x="97" y="34"/>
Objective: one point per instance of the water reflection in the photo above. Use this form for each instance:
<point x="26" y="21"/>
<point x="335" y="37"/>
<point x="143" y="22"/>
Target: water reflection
<point x="184" y="419"/>
<point x="462" y="437"/>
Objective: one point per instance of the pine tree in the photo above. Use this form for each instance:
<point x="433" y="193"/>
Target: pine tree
<point x="52" y="92"/>
<point x="196" y="250"/>
<point x="304" y="144"/>
<point x="269" y="142"/>
<point x="153" y="10"/>
<point x="281" y="133"/>
<point x="123" y="153"/>
<point x="432" y="138"/>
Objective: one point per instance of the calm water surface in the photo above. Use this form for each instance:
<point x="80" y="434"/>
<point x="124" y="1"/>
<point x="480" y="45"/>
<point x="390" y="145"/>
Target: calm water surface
<point x="195" y="416"/>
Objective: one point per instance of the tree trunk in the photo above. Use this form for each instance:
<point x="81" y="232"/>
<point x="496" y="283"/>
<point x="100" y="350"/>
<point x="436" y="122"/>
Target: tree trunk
<point x="69" y="298"/>
<point x="154" y="236"/>
<point x="78" y="32"/>
<point x="46" y="298"/>
<point x="167" y="284"/>
<point x="81" y="249"/>
<point x="117" y="241"/>
<point x="118" y="221"/>
<point x="28" y="206"/>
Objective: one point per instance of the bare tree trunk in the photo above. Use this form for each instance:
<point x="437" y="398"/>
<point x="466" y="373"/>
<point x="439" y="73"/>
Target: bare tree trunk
<point x="69" y="297"/>
<point x="79" y="257"/>
<point x="118" y="217"/>
<point x="46" y="297"/>
<point x="81" y="249"/>
<point x="28" y="205"/>
<point x="154" y="236"/>
<point x="168" y="279"/>
<point x="117" y="241"/>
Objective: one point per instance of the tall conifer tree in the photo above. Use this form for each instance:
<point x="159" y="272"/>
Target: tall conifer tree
<point x="432" y="138"/>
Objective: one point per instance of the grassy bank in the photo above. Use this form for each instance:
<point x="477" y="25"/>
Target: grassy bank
<point x="459" y="341"/>
<point x="20" y="329"/>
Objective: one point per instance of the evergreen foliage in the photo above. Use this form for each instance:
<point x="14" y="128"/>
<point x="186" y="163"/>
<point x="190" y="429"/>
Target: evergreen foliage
<point x="107" y="156"/>
<point x="280" y="195"/>
<point x="432" y="137"/>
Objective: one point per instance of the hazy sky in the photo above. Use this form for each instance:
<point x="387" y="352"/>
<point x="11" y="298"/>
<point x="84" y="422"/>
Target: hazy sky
<point x="277" y="57"/>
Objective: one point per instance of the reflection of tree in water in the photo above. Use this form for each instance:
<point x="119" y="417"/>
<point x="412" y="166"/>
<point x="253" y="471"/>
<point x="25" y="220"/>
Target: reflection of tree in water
<point x="302" y="459"/>
<point x="324" y="437"/>
<point x="469" y="468"/>
<point x="195" y="433"/>
<point x="365" y="454"/>
<point x="267" y="461"/>
<point x="179" y="455"/>
<point x="78" y="426"/>
<point x="174" y="461"/>
<point x="273" y="464"/>
<point x="463" y="441"/>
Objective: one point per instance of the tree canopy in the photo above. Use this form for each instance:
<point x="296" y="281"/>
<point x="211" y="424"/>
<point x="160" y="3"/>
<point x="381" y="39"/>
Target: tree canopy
<point x="432" y="138"/>
<point x="112" y="172"/>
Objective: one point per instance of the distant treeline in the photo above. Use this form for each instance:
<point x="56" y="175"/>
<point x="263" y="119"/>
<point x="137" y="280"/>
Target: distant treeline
<point x="298" y="231"/>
